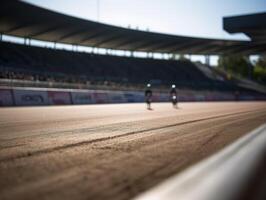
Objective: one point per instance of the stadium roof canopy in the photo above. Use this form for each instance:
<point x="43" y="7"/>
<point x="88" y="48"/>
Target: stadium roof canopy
<point x="253" y="25"/>
<point x="25" y="20"/>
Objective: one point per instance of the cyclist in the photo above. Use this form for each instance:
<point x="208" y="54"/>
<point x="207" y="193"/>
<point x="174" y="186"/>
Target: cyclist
<point x="173" y="96"/>
<point x="148" y="96"/>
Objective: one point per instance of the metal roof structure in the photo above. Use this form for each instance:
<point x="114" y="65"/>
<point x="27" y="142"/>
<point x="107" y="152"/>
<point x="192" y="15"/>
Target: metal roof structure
<point x="21" y="19"/>
<point x="253" y="25"/>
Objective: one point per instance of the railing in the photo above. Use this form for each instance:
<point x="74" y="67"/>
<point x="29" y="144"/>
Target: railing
<point x="96" y="86"/>
<point x="64" y="85"/>
<point x="228" y="175"/>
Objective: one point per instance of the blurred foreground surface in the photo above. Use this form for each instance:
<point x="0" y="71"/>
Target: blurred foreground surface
<point x="111" y="151"/>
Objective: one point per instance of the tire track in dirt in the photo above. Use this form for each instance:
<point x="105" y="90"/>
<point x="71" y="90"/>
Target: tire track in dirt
<point x="121" y="184"/>
<point x="86" y="142"/>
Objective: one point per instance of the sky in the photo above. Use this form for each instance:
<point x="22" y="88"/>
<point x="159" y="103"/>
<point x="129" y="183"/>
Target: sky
<point x="200" y="18"/>
<point x="196" y="18"/>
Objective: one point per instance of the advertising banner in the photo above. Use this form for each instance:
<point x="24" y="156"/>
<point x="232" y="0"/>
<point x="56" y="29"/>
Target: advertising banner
<point x="247" y="97"/>
<point x="156" y="97"/>
<point x="116" y="97"/>
<point x="100" y="97"/>
<point x="199" y="97"/>
<point x="22" y="97"/>
<point x="59" y="98"/>
<point x="30" y="97"/>
<point x="82" y="98"/>
<point x="210" y="97"/>
<point x="6" y="97"/>
<point x="164" y="97"/>
<point x="132" y="97"/>
<point x="223" y="97"/>
<point x="260" y="97"/>
<point x="186" y="97"/>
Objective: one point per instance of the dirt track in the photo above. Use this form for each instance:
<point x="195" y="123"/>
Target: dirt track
<point x="111" y="151"/>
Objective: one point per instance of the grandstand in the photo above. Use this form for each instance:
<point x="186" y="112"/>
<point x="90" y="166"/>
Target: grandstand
<point x="27" y="65"/>
<point x="43" y="64"/>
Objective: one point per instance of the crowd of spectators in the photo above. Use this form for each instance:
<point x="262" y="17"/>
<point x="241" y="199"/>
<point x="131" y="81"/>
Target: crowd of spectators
<point x="21" y="62"/>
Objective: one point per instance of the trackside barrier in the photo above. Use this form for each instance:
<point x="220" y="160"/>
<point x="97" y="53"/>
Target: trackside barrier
<point x="6" y="98"/>
<point x="101" y="97"/>
<point x="59" y="98"/>
<point x="44" y="96"/>
<point x="134" y="97"/>
<point x="116" y="97"/>
<point x="82" y="98"/>
<point x="156" y="96"/>
<point x="224" y="176"/>
<point x="247" y="98"/>
<point x="200" y="97"/>
<point x="30" y="97"/>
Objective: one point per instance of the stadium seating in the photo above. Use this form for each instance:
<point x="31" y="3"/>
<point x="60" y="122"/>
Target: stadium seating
<point x="46" y="64"/>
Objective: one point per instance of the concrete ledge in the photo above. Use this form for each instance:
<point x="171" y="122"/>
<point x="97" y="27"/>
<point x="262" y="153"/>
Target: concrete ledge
<point x="223" y="176"/>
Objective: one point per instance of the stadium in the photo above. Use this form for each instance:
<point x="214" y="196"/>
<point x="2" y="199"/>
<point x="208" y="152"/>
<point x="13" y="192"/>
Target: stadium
<point x="74" y="123"/>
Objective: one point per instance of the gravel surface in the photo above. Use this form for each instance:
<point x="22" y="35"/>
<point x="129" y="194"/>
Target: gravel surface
<point x="111" y="151"/>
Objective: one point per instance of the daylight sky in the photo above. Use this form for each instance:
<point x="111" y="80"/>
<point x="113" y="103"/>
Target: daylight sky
<point x="200" y="18"/>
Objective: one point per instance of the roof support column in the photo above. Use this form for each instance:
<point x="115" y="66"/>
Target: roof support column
<point x="147" y="54"/>
<point x="224" y="66"/>
<point x="26" y="41"/>
<point x="176" y="56"/>
<point x="207" y="60"/>
<point x="250" y="69"/>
